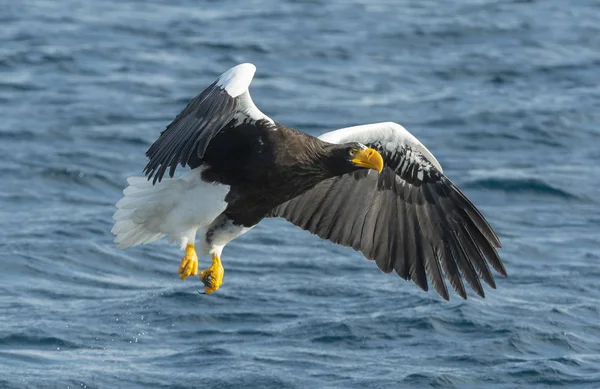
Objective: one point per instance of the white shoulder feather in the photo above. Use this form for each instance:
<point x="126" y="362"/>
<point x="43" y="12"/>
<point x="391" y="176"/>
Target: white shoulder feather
<point x="391" y="136"/>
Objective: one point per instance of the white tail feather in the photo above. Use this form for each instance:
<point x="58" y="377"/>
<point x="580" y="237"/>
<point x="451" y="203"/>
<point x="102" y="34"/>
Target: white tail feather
<point x="175" y="208"/>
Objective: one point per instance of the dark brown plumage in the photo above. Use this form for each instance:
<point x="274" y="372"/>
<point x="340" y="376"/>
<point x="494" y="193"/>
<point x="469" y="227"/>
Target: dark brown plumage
<point x="266" y="164"/>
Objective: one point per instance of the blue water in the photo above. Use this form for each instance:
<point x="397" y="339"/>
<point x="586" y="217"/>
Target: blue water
<point x="505" y="93"/>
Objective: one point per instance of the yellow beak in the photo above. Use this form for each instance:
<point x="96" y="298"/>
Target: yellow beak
<point x="368" y="158"/>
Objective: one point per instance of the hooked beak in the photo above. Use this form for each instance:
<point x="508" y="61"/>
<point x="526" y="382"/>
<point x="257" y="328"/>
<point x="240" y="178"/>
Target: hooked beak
<point x="368" y="158"/>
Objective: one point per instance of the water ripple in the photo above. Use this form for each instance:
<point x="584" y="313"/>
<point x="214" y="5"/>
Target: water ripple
<point x="530" y="186"/>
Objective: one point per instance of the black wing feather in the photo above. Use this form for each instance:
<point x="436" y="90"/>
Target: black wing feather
<point x="410" y="218"/>
<point x="190" y="132"/>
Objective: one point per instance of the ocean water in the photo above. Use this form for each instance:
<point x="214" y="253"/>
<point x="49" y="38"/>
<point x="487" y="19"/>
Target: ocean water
<point x="506" y="94"/>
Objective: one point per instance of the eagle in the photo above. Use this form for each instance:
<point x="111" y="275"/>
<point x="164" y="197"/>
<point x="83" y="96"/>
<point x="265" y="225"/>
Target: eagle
<point x="372" y="187"/>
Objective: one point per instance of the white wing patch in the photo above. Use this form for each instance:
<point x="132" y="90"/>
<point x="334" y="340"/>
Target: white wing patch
<point x="247" y="110"/>
<point x="391" y="136"/>
<point x="237" y="79"/>
<point x="236" y="82"/>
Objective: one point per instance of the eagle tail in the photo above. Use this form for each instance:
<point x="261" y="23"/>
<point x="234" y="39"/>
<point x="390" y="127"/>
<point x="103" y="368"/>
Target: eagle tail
<point x="137" y="219"/>
<point x="174" y="207"/>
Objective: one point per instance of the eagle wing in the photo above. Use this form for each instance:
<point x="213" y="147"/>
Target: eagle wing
<point x="226" y="102"/>
<point x="409" y="218"/>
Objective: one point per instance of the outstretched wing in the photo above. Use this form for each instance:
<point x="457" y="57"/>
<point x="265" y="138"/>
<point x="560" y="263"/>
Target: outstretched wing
<point x="409" y="218"/>
<point x="226" y="102"/>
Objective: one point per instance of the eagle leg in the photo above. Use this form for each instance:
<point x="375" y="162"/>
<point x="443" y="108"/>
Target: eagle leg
<point x="189" y="263"/>
<point x="213" y="276"/>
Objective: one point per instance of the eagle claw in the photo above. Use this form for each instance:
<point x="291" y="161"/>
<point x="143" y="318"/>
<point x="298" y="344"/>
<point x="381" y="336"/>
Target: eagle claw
<point x="189" y="263"/>
<point x="212" y="278"/>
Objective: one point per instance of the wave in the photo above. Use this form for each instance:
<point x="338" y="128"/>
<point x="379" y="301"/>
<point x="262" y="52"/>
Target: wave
<point x="39" y="340"/>
<point x="532" y="186"/>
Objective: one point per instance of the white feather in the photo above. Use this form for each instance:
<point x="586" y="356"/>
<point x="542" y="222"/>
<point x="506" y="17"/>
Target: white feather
<point x="174" y="208"/>
<point x="392" y="136"/>
<point x="246" y="108"/>
<point x="236" y="82"/>
<point x="237" y="79"/>
<point x="225" y="234"/>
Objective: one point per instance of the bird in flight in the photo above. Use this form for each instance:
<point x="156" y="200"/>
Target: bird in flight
<point x="373" y="187"/>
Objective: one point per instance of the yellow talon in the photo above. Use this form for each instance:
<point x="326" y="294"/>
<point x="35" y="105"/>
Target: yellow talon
<point x="189" y="263"/>
<point x="213" y="276"/>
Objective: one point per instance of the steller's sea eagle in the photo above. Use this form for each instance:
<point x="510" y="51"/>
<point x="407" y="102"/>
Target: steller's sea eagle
<point x="374" y="188"/>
